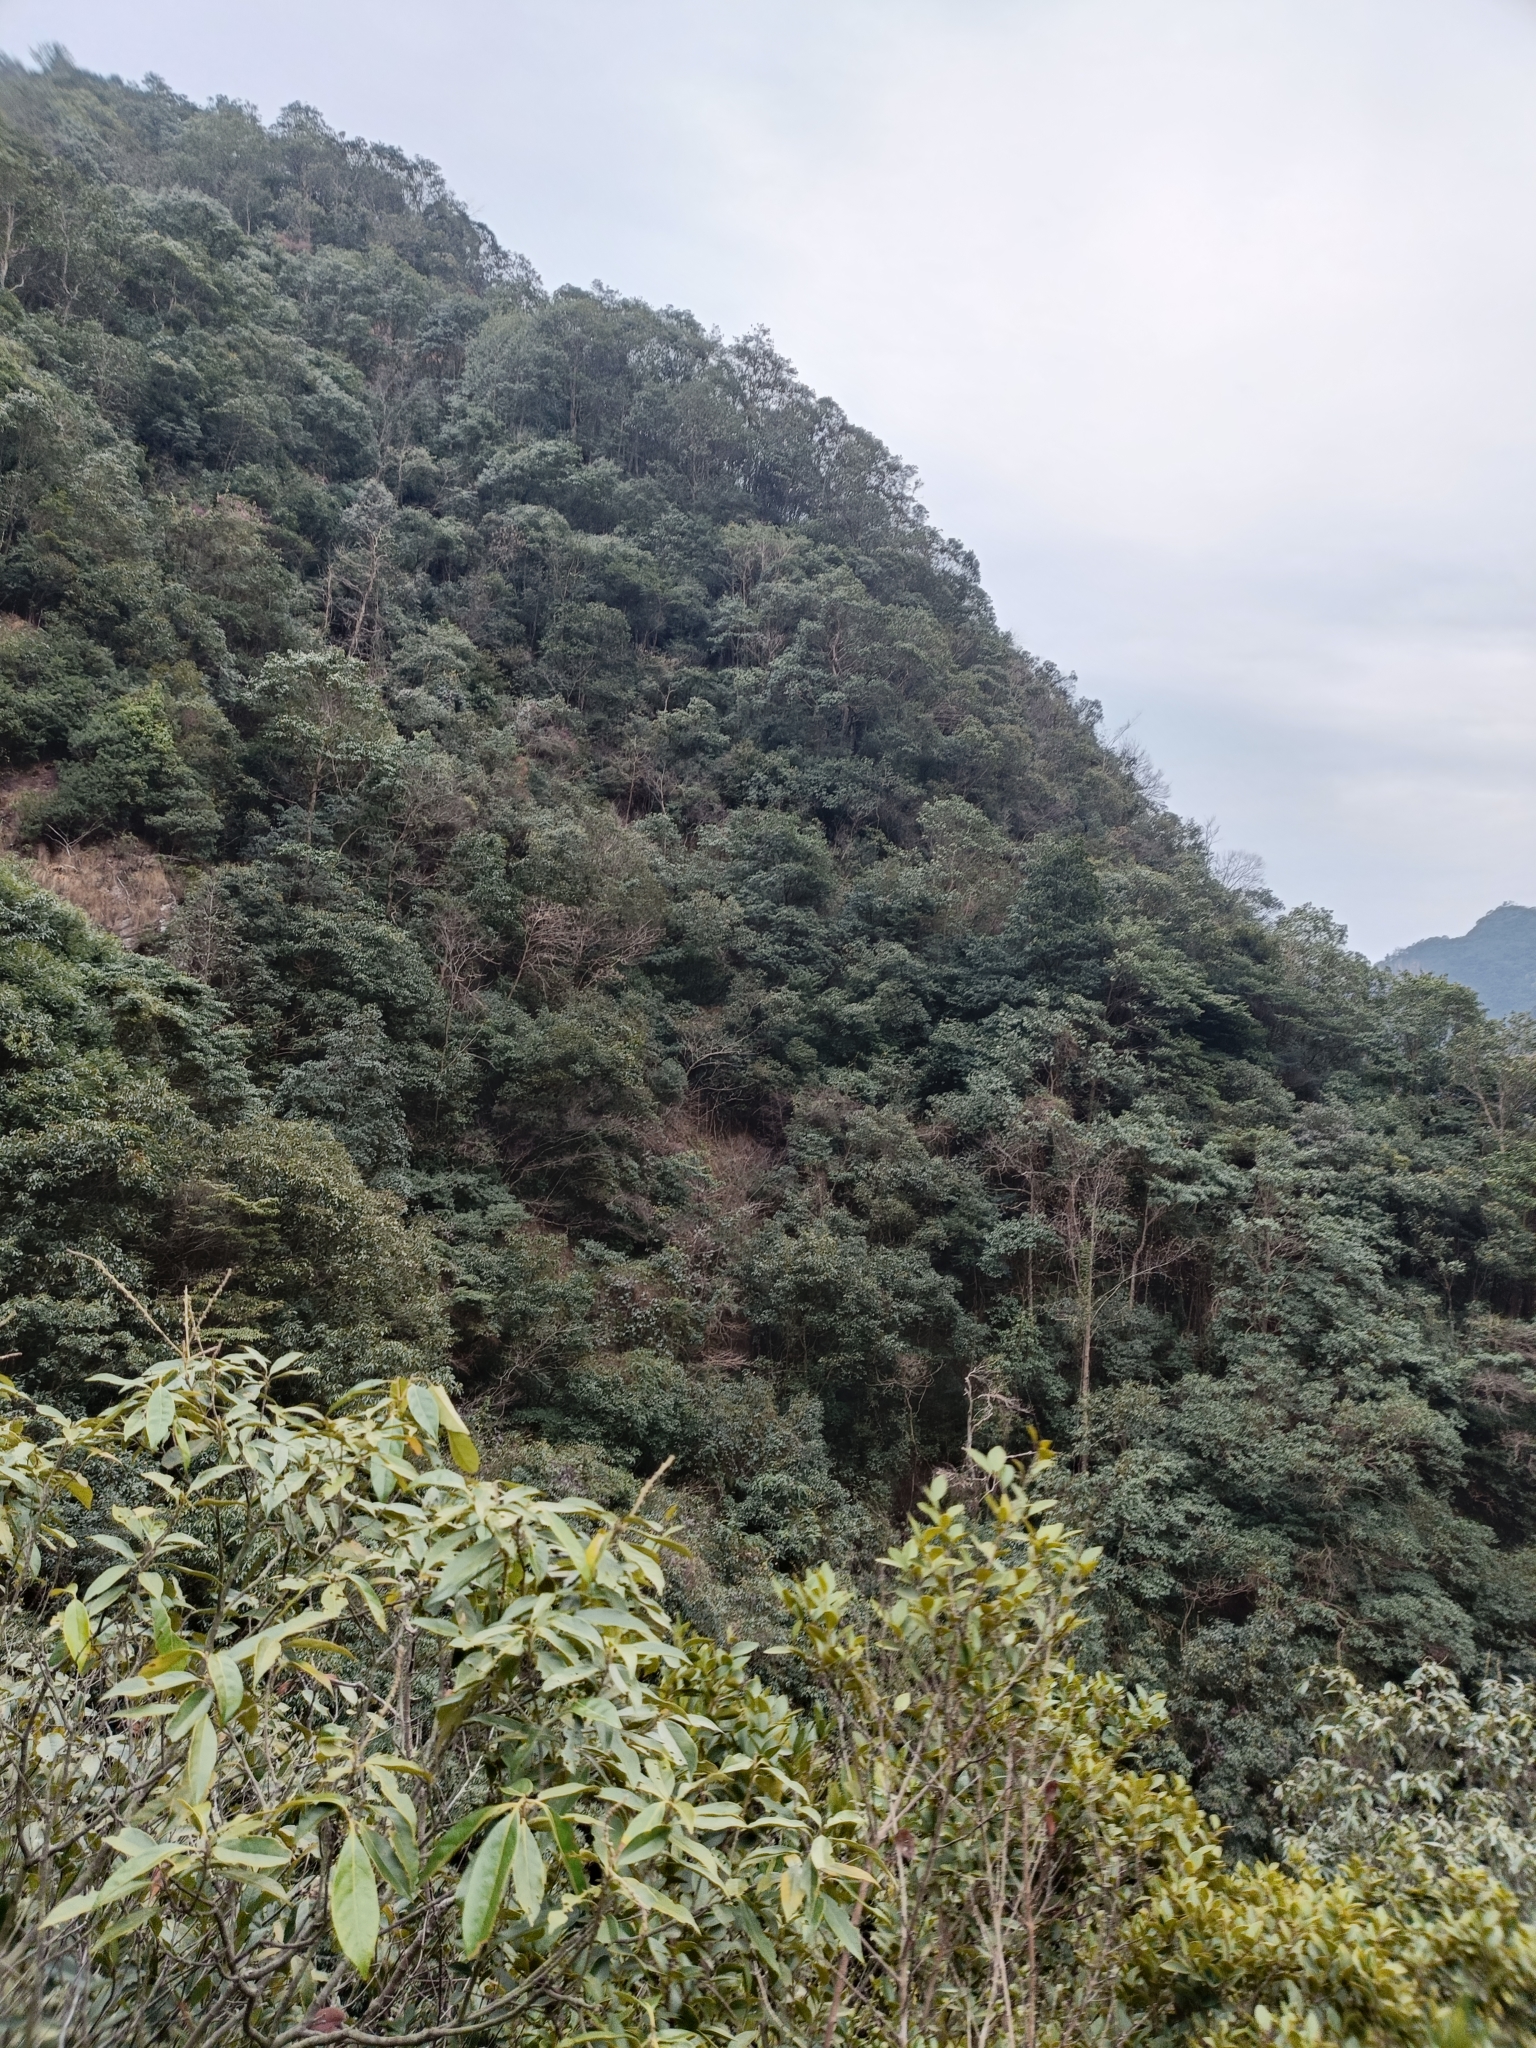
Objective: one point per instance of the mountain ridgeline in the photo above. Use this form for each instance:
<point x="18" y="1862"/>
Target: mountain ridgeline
<point x="1496" y="960"/>
<point x="612" y="915"/>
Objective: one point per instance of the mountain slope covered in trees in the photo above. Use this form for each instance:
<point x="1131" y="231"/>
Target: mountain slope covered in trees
<point x="646" y="938"/>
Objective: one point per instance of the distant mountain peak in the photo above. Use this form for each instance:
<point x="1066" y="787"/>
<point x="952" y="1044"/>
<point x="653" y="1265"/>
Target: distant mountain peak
<point x="1496" y="959"/>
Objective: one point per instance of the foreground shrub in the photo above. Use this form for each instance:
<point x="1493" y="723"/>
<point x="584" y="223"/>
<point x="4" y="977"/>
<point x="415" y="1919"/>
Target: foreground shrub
<point x="346" y="1742"/>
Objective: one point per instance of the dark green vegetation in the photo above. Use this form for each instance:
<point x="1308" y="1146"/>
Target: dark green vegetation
<point x="648" y="933"/>
<point x="1496" y="959"/>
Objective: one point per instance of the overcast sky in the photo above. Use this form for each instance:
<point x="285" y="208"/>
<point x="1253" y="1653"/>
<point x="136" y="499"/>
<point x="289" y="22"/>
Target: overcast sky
<point x="1209" y="324"/>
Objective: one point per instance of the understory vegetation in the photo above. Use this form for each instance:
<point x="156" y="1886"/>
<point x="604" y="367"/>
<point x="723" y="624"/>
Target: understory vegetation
<point x="628" y="941"/>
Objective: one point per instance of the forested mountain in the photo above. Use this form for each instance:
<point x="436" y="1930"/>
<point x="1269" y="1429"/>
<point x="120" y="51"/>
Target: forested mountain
<point x="614" y="915"/>
<point x="1496" y="959"/>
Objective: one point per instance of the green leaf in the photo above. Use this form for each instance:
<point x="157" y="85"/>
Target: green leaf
<point x="455" y="1838"/>
<point x="422" y="1403"/>
<point x="570" y="1855"/>
<point x="528" y="1873"/>
<point x="266" y="1646"/>
<point x="71" y="1909"/>
<point x="167" y="1636"/>
<point x="651" y="1901"/>
<point x="142" y="1855"/>
<point x="450" y="1417"/>
<point x="752" y="1928"/>
<point x="251" y="1852"/>
<point x="370" y="1600"/>
<point x="386" y="1862"/>
<point x="211" y="1477"/>
<point x="842" y="1926"/>
<point x="202" y="1760"/>
<point x="172" y="1666"/>
<point x="103" y="1581"/>
<point x="228" y="1688"/>
<point x="191" y="1711"/>
<point x="462" y="1450"/>
<point x="119" y="1930"/>
<point x="76" y="1630"/>
<point x="354" y="1901"/>
<point x="159" y="1415"/>
<point x="401" y="1801"/>
<point x="407" y="1854"/>
<point x="485" y="1882"/>
<point x="465" y="1565"/>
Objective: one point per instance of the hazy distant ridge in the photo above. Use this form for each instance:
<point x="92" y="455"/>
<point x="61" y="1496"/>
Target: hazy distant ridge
<point x="1497" y="958"/>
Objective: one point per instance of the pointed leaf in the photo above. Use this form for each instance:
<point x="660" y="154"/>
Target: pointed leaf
<point x="228" y="1687"/>
<point x="167" y="1636"/>
<point x="370" y="1600"/>
<point x="463" y="1453"/>
<point x="191" y="1710"/>
<point x="252" y="1852"/>
<point x="159" y="1414"/>
<point x="400" y="1800"/>
<point x="202" y="1759"/>
<point x="651" y="1901"/>
<point x="386" y="1862"/>
<point x="842" y="1926"/>
<point x="452" y="1421"/>
<point x="104" y="1580"/>
<point x="485" y="1882"/>
<point x="422" y="1403"/>
<point x="173" y="1661"/>
<point x="528" y="1873"/>
<point x="76" y="1630"/>
<point x="466" y="1565"/>
<point x="354" y="1901"/>
<point x="71" y="1909"/>
<point x="455" y="1838"/>
<point x="570" y="1855"/>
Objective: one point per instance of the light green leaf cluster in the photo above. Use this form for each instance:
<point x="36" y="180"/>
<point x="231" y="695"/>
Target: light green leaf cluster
<point x="1420" y="1774"/>
<point x="341" y="1720"/>
<point x="1036" y="1885"/>
<point x="346" y="1737"/>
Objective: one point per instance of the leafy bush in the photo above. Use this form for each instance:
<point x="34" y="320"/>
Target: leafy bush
<point x="1421" y="1773"/>
<point x="348" y="1742"/>
<point x="344" y="1723"/>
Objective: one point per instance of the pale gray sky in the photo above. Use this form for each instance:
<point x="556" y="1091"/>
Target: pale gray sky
<point x="1210" y="324"/>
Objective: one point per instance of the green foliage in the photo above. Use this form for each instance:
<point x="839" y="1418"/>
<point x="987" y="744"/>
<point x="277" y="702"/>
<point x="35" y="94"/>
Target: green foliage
<point x="130" y="1132"/>
<point x="346" y="1737"/>
<point x="689" y="963"/>
<point x="130" y="770"/>
<point x="1040" y="1884"/>
<point x="343" y="1722"/>
<point x="1420" y="1773"/>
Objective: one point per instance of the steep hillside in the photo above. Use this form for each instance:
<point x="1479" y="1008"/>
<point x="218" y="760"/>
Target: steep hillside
<point x="1496" y="960"/>
<point x="742" y="1010"/>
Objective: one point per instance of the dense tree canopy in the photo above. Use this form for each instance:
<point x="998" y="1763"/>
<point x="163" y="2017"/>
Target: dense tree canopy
<point x="648" y="941"/>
